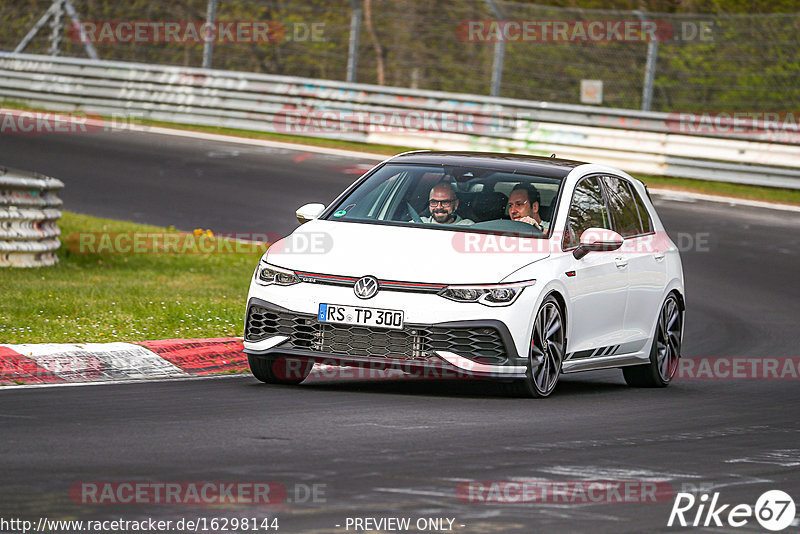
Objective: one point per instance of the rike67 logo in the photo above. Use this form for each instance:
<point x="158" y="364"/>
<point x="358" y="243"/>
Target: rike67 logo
<point x="774" y="510"/>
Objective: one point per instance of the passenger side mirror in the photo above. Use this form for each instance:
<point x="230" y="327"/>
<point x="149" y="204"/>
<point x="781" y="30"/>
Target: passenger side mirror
<point x="597" y="240"/>
<point x="309" y="212"/>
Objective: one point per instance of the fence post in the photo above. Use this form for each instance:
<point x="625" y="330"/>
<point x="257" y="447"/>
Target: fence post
<point x="36" y="27"/>
<point x="55" y="14"/>
<point x="208" y="47"/>
<point x="355" y="36"/>
<point x="76" y="22"/>
<point x="57" y="28"/>
<point x="649" y="69"/>
<point x="499" y="53"/>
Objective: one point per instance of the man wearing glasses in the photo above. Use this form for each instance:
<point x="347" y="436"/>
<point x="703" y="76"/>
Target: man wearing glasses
<point x="443" y="204"/>
<point x="523" y="206"/>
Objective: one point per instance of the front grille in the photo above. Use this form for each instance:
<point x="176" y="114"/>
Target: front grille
<point x="367" y="341"/>
<point x="483" y="344"/>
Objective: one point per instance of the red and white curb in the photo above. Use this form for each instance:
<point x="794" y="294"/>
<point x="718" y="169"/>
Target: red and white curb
<point x="48" y="363"/>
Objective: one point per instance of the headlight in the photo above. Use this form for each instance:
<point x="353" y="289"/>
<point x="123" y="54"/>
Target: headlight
<point x="269" y="274"/>
<point x="489" y="295"/>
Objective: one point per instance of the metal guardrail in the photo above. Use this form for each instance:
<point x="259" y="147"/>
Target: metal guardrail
<point x="637" y="141"/>
<point x="28" y="229"/>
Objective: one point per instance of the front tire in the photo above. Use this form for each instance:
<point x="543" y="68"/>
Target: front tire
<point x="545" y="353"/>
<point x="665" y="351"/>
<point x="280" y="369"/>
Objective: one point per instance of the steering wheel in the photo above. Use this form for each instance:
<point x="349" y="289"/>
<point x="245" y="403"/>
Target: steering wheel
<point x="413" y="213"/>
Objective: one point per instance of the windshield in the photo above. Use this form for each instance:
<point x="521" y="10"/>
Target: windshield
<point x="452" y="198"/>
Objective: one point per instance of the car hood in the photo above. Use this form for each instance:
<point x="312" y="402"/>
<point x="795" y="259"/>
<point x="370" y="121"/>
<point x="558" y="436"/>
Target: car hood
<point x="404" y="254"/>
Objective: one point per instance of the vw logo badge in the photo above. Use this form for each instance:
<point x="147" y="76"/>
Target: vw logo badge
<point x="366" y="287"/>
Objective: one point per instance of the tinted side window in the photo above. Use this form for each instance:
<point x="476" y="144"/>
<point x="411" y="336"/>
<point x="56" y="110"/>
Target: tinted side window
<point x="623" y="209"/>
<point x="644" y="216"/>
<point x="588" y="210"/>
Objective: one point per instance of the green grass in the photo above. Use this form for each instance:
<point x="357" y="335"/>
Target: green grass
<point x="768" y="194"/>
<point x="124" y="297"/>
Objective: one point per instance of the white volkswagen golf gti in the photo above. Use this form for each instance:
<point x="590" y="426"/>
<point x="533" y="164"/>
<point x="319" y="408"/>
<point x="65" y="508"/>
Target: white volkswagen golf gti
<point x="507" y="267"/>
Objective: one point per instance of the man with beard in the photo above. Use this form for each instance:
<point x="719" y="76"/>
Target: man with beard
<point x="443" y="204"/>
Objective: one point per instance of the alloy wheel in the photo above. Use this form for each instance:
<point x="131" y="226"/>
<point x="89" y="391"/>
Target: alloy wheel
<point x="547" y="348"/>
<point x="668" y="339"/>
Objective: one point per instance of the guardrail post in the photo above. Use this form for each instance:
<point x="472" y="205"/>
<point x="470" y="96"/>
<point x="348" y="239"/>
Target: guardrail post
<point x="28" y="215"/>
<point x="355" y="36"/>
<point x="499" y="53"/>
<point x="208" y="47"/>
<point x="649" y="69"/>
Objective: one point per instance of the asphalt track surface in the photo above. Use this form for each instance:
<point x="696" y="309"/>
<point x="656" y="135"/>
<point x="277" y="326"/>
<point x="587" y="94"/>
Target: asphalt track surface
<point x="399" y="448"/>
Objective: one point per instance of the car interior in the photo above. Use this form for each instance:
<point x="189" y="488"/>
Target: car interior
<point x="482" y="193"/>
<point x="483" y="199"/>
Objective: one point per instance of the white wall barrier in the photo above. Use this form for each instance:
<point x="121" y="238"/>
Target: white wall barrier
<point x="636" y="141"/>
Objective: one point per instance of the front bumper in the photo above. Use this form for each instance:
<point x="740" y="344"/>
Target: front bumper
<point x="479" y="348"/>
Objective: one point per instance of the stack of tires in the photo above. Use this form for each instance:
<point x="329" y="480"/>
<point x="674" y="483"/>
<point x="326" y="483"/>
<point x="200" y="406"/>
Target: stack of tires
<point x="28" y="219"/>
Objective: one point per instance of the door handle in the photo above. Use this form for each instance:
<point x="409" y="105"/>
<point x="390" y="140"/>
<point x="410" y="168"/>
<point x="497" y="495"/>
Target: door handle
<point x="621" y="262"/>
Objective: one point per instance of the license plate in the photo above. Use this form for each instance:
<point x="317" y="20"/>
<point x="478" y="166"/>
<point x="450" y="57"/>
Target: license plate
<point x="356" y="315"/>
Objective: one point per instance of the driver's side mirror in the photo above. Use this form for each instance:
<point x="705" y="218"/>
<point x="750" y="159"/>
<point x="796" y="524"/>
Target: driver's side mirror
<point x="309" y="212"/>
<point x="597" y="240"/>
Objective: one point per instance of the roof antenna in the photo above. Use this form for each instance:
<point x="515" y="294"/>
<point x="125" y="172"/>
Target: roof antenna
<point x="552" y="155"/>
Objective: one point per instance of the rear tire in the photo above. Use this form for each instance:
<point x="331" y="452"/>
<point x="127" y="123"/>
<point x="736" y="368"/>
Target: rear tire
<point x="665" y="351"/>
<point x="545" y="352"/>
<point x="280" y="369"/>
